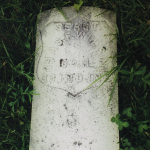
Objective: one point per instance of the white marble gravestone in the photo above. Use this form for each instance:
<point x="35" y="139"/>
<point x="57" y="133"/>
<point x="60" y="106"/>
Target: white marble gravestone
<point x="69" y="54"/>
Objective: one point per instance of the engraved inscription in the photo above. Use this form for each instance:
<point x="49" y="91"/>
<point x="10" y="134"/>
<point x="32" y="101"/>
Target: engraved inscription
<point x="49" y="60"/>
<point x="67" y="26"/>
<point x="59" y="42"/>
<point x="75" y="63"/>
<point x="74" y="57"/>
<point x="58" y="26"/>
<point x="52" y="50"/>
<point x="71" y="78"/>
<point x="94" y="26"/>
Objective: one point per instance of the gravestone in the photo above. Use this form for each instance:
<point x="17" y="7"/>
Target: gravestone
<point x="71" y="53"/>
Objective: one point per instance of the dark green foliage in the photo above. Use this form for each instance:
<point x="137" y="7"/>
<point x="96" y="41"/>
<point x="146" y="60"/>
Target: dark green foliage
<point x="136" y="130"/>
<point x="18" y="19"/>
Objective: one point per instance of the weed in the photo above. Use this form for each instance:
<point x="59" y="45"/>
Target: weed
<point x="77" y="6"/>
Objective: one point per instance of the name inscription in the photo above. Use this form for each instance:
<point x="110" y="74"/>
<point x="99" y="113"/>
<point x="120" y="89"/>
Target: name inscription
<point x="74" y="57"/>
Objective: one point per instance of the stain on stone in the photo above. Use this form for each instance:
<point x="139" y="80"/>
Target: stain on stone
<point x="61" y="60"/>
<point x="65" y="107"/>
<point x="75" y="143"/>
<point x="52" y="145"/>
<point x="79" y="143"/>
<point x="104" y="48"/>
<point x="75" y="120"/>
<point x="89" y="102"/>
<point x="69" y="76"/>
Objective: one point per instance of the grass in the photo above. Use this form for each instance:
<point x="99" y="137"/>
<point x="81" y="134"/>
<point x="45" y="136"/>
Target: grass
<point x="18" y="19"/>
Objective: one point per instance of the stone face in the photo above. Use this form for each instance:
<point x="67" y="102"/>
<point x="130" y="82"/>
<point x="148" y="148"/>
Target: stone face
<point x="70" y="55"/>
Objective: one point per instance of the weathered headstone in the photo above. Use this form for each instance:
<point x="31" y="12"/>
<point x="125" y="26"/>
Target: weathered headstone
<point x="69" y="54"/>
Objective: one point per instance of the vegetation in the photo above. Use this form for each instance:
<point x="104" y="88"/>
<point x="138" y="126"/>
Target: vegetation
<point x="18" y="19"/>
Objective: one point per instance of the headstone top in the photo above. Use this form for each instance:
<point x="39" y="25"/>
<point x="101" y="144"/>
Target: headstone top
<point x="70" y="13"/>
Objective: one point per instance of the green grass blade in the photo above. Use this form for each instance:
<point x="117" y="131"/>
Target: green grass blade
<point x="62" y="14"/>
<point x="110" y="73"/>
<point x="7" y="53"/>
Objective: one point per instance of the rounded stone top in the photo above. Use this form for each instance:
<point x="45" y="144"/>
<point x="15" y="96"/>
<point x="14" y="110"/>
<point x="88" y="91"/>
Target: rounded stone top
<point x="68" y="14"/>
